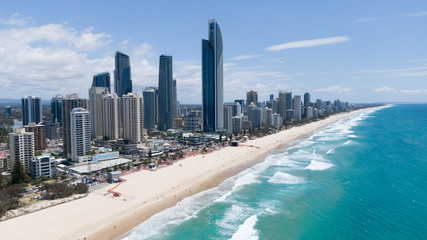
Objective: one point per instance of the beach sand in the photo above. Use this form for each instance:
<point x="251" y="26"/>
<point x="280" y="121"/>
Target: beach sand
<point x="145" y="193"/>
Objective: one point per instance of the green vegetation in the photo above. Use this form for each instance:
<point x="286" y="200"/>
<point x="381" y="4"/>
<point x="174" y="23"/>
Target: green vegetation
<point x="9" y="198"/>
<point x="61" y="190"/>
<point x="18" y="174"/>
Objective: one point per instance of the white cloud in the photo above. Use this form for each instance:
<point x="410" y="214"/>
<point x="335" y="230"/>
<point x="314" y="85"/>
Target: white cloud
<point x="417" y="14"/>
<point x="335" y="89"/>
<point x="16" y="20"/>
<point x="88" y="41"/>
<point x="398" y="72"/>
<point x="385" y="89"/>
<point x="42" y="60"/>
<point x="308" y="43"/>
<point x="414" y="91"/>
<point x="244" y="57"/>
<point x="143" y="49"/>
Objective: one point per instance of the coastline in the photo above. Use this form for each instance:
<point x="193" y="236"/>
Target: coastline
<point x="100" y="216"/>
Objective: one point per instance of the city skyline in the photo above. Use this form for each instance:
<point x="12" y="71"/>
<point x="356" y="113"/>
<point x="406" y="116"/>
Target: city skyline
<point x="366" y="55"/>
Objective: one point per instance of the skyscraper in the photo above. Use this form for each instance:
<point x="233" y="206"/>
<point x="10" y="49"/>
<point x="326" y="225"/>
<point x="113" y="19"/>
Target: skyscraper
<point x="80" y="133"/>
<point x="288" y="97"/>
<point x="8" y="111"/>
<point x="95" y="96"/>
<point x="306" y="99"/>
<point x="297" y="107"/>
<point x="212" y="79"/>
<point x="285" y="103"/>
<point x="111" y="116"/>
<point x="39" y="135"/>
<point x="133" y="121"/>
<point x="241" y="102"/>
<point x="174" y="99"/>
<point x="56" y="109"/>
<point x="21" y="145"/>
<point x="31" y="109"/>
<point x="228" y="114"/>
<point x="150" y="107"/>
<point x="68" y="104"/>
<point x="122" y="75"/>
<point x="166" y="93"/>
<point x="282" y="104"/>
<point x="252" y="97"/>
<point x="102" y="80"/>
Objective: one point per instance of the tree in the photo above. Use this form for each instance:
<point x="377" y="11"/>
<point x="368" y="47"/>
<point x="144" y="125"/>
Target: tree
<point x="44" y="178"/>
<point x="18" y="174"/>
<point x="146" y="162"/>
<point x="81" y="188"/>
<point x="3" y="182"/>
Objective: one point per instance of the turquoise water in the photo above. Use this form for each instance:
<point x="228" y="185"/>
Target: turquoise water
<point x="363" y="177"/>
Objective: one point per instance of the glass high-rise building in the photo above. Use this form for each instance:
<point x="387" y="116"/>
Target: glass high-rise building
<point x="150" y="107"/>
<point x="166" y="94"/>
<point x="56" y="109"/>
<point x="122" y="75"/>
<point x="288" y="97"/>
<point x="306" y="99"/>
<point x="31" y="109"/>
<point x="102" y="80"/>
<point x="212" y="79"/>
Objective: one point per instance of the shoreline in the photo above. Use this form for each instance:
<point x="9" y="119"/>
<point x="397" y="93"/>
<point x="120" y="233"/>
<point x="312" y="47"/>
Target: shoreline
<point x="101" y="216"/>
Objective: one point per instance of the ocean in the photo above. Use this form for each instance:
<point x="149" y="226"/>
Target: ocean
<point x="362" y="177"/>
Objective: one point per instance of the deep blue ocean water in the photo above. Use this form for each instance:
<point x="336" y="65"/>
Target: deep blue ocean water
<point x="363" y="177"/>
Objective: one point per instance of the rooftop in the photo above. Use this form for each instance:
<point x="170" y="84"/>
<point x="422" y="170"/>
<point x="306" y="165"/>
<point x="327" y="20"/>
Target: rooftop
<point x="96" y="166"/>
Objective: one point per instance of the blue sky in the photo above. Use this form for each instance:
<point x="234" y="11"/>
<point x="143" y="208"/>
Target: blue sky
<point x="357" y="51"/>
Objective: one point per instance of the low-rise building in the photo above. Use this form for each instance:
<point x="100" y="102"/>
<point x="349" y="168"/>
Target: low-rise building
<point x="42" y="165"/>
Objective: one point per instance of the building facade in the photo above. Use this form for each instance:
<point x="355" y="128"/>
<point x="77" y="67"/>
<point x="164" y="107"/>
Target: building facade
<point x="228" y="114"/>
<point x="95" y="109"/>
<point x="102" y="80"/>
<point x="166" y="94"/>
<point x="56" y="109"/>
<point x="42" y="165"/>
<point x="122" y="75"/>
<point x="297" y="107"/>
<point x="150" y="107"/>
<point x="80" y="133"/>
<point x="133" y="119"/>
<point x="21" y="146"/>
<point x="31" y="109"/>
<point x="39" y="131"/>
<point x="252" y="97"/>
<point x="212" y="79"/>
<point x="8" y="111"/>
<point x="68" y="104"/>
<point x="111" y="116"/>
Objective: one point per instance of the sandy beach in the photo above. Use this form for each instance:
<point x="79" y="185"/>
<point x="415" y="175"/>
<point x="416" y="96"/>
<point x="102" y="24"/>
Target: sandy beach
<point x="102" y="216"/>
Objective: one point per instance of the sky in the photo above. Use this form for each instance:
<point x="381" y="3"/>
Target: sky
<point x="356" y="51"/>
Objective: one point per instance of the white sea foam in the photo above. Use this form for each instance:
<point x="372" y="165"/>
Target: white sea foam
<point x="318" y="165"/>
<point x="171" y="217"/>
<point x="247" y="231"/>
<point x="191" y="206"/>
<point x="349" y="142"/>
<point x="352" y="136"/>
<point x="285" y="178"/>
<point x="231" y="216"/>
<point x="330" y="151"/>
